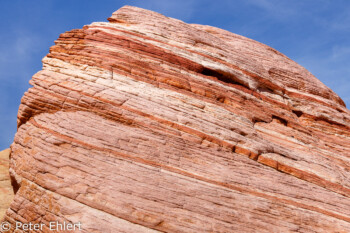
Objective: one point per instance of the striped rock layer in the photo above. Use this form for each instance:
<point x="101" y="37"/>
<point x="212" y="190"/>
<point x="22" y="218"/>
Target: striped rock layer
<point x="149" y="124"/>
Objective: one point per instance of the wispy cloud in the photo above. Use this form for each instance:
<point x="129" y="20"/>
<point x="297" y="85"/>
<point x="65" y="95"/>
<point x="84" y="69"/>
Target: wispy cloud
<point x="314" y="33"/>
<point x="340" y="53"/>
<point x="274" y="8"/>
<point x="339" y="20"/>
<point x="17" y="65"/>
<point x="331" y="66"/>
<point x="16" y="54"/>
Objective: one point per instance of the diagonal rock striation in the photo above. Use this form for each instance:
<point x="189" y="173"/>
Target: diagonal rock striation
<point x="147" y="124"/>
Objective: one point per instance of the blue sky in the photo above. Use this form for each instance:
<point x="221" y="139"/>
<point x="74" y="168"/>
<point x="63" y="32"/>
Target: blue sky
<point x="316" y="34"/>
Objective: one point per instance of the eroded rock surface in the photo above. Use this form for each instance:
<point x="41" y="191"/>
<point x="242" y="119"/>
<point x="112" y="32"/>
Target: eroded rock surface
<point x="146" y="124"/>
<point x="6" y="190"/>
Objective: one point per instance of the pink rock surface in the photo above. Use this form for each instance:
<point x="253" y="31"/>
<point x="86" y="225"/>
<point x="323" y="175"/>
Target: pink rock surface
<point x="6" y="190"/>
<point x="148" y="124"/>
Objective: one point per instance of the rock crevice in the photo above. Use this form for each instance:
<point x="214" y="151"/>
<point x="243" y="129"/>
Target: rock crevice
<point x="166" y="126"/>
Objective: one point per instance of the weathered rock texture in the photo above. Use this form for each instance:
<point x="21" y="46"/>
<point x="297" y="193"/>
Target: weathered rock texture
<point x="6" y="190"/>
<point x="148" y="124"/>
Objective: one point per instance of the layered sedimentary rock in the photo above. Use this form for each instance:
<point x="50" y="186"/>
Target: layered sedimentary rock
<point x="147" y="124"/>
<point x="6" y="191"/>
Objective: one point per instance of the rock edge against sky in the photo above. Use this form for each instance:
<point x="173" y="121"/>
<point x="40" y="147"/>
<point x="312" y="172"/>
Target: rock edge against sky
<point x="146" y="123"/>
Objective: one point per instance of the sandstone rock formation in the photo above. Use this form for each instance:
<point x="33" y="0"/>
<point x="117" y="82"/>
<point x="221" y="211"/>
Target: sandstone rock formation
<point x="6" y="191"/>
<point x="147" y="124"/>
